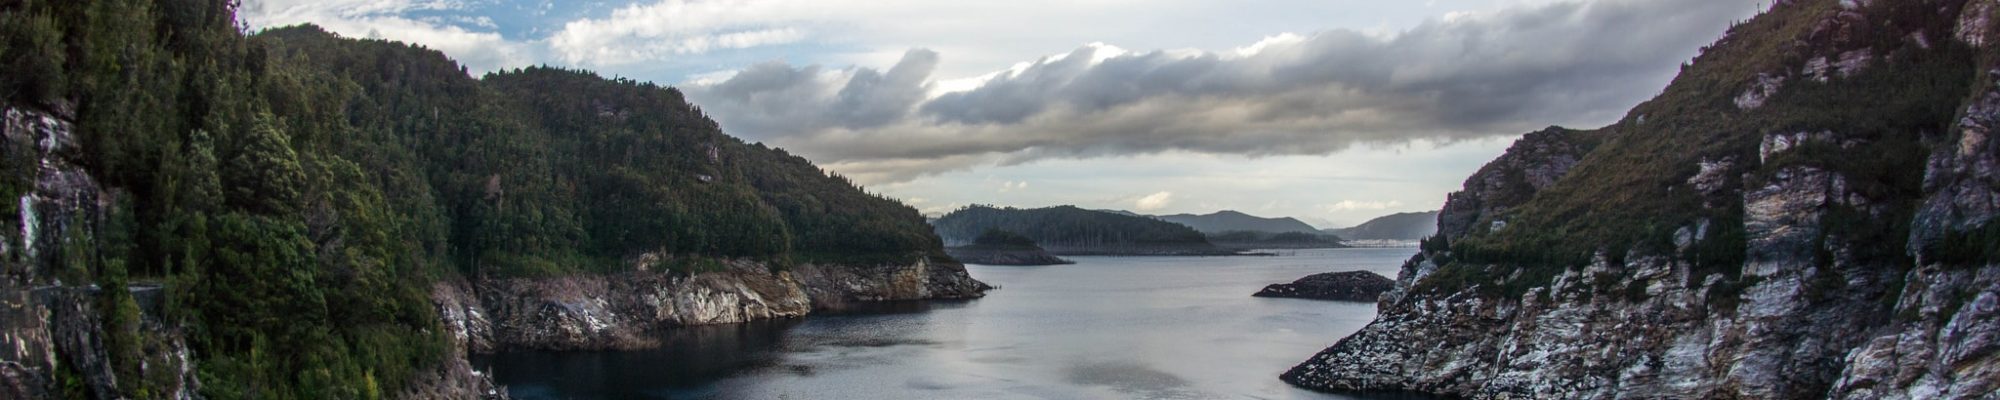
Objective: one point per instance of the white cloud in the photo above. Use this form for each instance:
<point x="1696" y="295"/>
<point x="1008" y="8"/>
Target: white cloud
<point x="479" y="51"/>
<point x="1352" y="205"/>
<point x="643" y="32"/>
<point x="1154" y="202"/>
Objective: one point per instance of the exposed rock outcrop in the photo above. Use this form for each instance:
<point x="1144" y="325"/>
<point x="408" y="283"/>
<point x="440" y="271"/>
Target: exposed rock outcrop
<point x="1530" y="165"/>
<point x="1342" y="286"/>
<point x="597" y="312"/>
<point x="51" y="330"/>
<point x="1818" y="301"/>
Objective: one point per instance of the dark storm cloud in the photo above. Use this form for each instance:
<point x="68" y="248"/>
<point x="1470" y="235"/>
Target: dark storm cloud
<point x="1458" y="77"/>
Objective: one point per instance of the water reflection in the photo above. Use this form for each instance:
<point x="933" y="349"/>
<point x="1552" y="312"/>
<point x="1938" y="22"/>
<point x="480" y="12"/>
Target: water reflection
<point x="686" y="364"/>
<point x="1174" y="328"/>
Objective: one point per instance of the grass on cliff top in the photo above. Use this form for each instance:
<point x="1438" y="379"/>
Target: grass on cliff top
<point x="1632" y="192"/>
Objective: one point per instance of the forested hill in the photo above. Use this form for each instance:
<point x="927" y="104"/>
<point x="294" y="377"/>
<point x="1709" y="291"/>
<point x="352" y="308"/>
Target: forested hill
<point x="1232" y="221"/>
<point x="298" y="193"/>
<point x="558" y="167"/>
<point x="1398" y="226"/>
<point x="1072" y="230"/>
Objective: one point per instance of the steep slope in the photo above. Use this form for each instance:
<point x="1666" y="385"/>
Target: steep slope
<point x="1232" y="221"/>
<point x="1067" y="230"/>
<point x="298" y="215"/>
<point x="1398" y="226"/>
<point x="1806" y="212"/>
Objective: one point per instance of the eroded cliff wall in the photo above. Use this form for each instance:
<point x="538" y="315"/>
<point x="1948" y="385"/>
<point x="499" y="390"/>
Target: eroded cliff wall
<point x="1780" y="253"/>
<point x="621" y="311"/>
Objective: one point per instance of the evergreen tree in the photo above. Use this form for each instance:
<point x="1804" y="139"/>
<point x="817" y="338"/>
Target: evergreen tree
<point x="264" y="175"/>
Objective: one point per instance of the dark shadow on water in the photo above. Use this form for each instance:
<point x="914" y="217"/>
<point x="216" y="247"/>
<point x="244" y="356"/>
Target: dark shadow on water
<point x="686" y="365"/>
<point x="862" y="308"/>
<point x="690" y="360"/>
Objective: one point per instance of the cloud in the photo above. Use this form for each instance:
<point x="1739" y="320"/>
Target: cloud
<point x="1154" y="202"/>
<point x="1012" y="186"/>
<point x="1513" y="67"/>
<point x="643" y="32"/>
<point x="1472" y="75"/>
<point x="1351" y="205"/>
<point x="470" y="40"/>
<point x="774" y="98"/>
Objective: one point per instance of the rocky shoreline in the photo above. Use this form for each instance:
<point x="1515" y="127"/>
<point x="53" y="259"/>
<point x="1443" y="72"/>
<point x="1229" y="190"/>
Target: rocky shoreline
<point x="618" y="311"/>
<point x="1809" y="310"/>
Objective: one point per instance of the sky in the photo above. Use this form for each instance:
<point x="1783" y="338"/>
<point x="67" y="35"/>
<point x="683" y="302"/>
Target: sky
<point x="1331" y="111"/>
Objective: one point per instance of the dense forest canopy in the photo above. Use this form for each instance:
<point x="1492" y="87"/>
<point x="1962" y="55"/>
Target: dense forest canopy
<point x="1232" y="221"/>
<point x="298" y="192"/>
<point x="1255" y="237"/>
<point x="1003" y="239"/>
<point x="1066" y="226"/>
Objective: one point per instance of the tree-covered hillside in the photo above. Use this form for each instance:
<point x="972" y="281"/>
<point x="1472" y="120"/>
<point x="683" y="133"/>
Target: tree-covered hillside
<point x="1635" y="183"/>
<point x="1068" y="229"/>
<point x="1233" y="221"/>
<point x="298" y="193"/>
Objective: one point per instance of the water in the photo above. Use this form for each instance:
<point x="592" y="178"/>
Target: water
<point x="1105" y="327"/>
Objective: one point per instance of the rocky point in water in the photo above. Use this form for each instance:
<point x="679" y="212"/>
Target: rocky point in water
<point x="1342" y="286"/>
<point x="998" y="247"/>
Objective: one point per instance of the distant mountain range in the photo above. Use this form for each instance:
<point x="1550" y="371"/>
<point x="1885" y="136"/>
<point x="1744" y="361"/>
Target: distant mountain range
<point x="1400" y="226"/>
<point x="1233" y="221"/>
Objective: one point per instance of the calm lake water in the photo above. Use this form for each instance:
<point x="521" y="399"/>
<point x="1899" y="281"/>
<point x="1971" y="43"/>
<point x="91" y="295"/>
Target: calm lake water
<point x="1105" y="327"/>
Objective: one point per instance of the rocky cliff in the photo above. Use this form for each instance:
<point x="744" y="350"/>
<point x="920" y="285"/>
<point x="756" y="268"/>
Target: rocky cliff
<point x="600" y="312"/>
<point x="1807" y="212"/>
<point x="57" y="341"/>
<point x="73" y="339"/>
<point x="76" y="339"/>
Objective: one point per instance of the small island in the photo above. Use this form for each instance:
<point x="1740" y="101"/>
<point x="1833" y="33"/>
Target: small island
<point x="998" y="247"/>
<point x="1072" y="231"/>
<point x="1282" y="240"/>
<point x="1341" y="286"/>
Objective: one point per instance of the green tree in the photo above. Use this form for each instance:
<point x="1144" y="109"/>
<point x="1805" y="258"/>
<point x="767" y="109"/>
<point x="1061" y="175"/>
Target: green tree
<point x="34" y="56"/>
<point x="264" y="175"/>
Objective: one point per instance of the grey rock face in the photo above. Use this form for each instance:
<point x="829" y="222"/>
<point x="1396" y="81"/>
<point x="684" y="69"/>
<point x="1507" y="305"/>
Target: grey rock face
<point x="1810" y="316"/>
<point x="45" y="323"/>
<point x="1533" y="163"/>
<point x="598" y="312"/>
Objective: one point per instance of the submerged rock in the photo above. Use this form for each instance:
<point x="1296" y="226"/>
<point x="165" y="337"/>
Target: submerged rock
<point x="1343" y="286"/>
